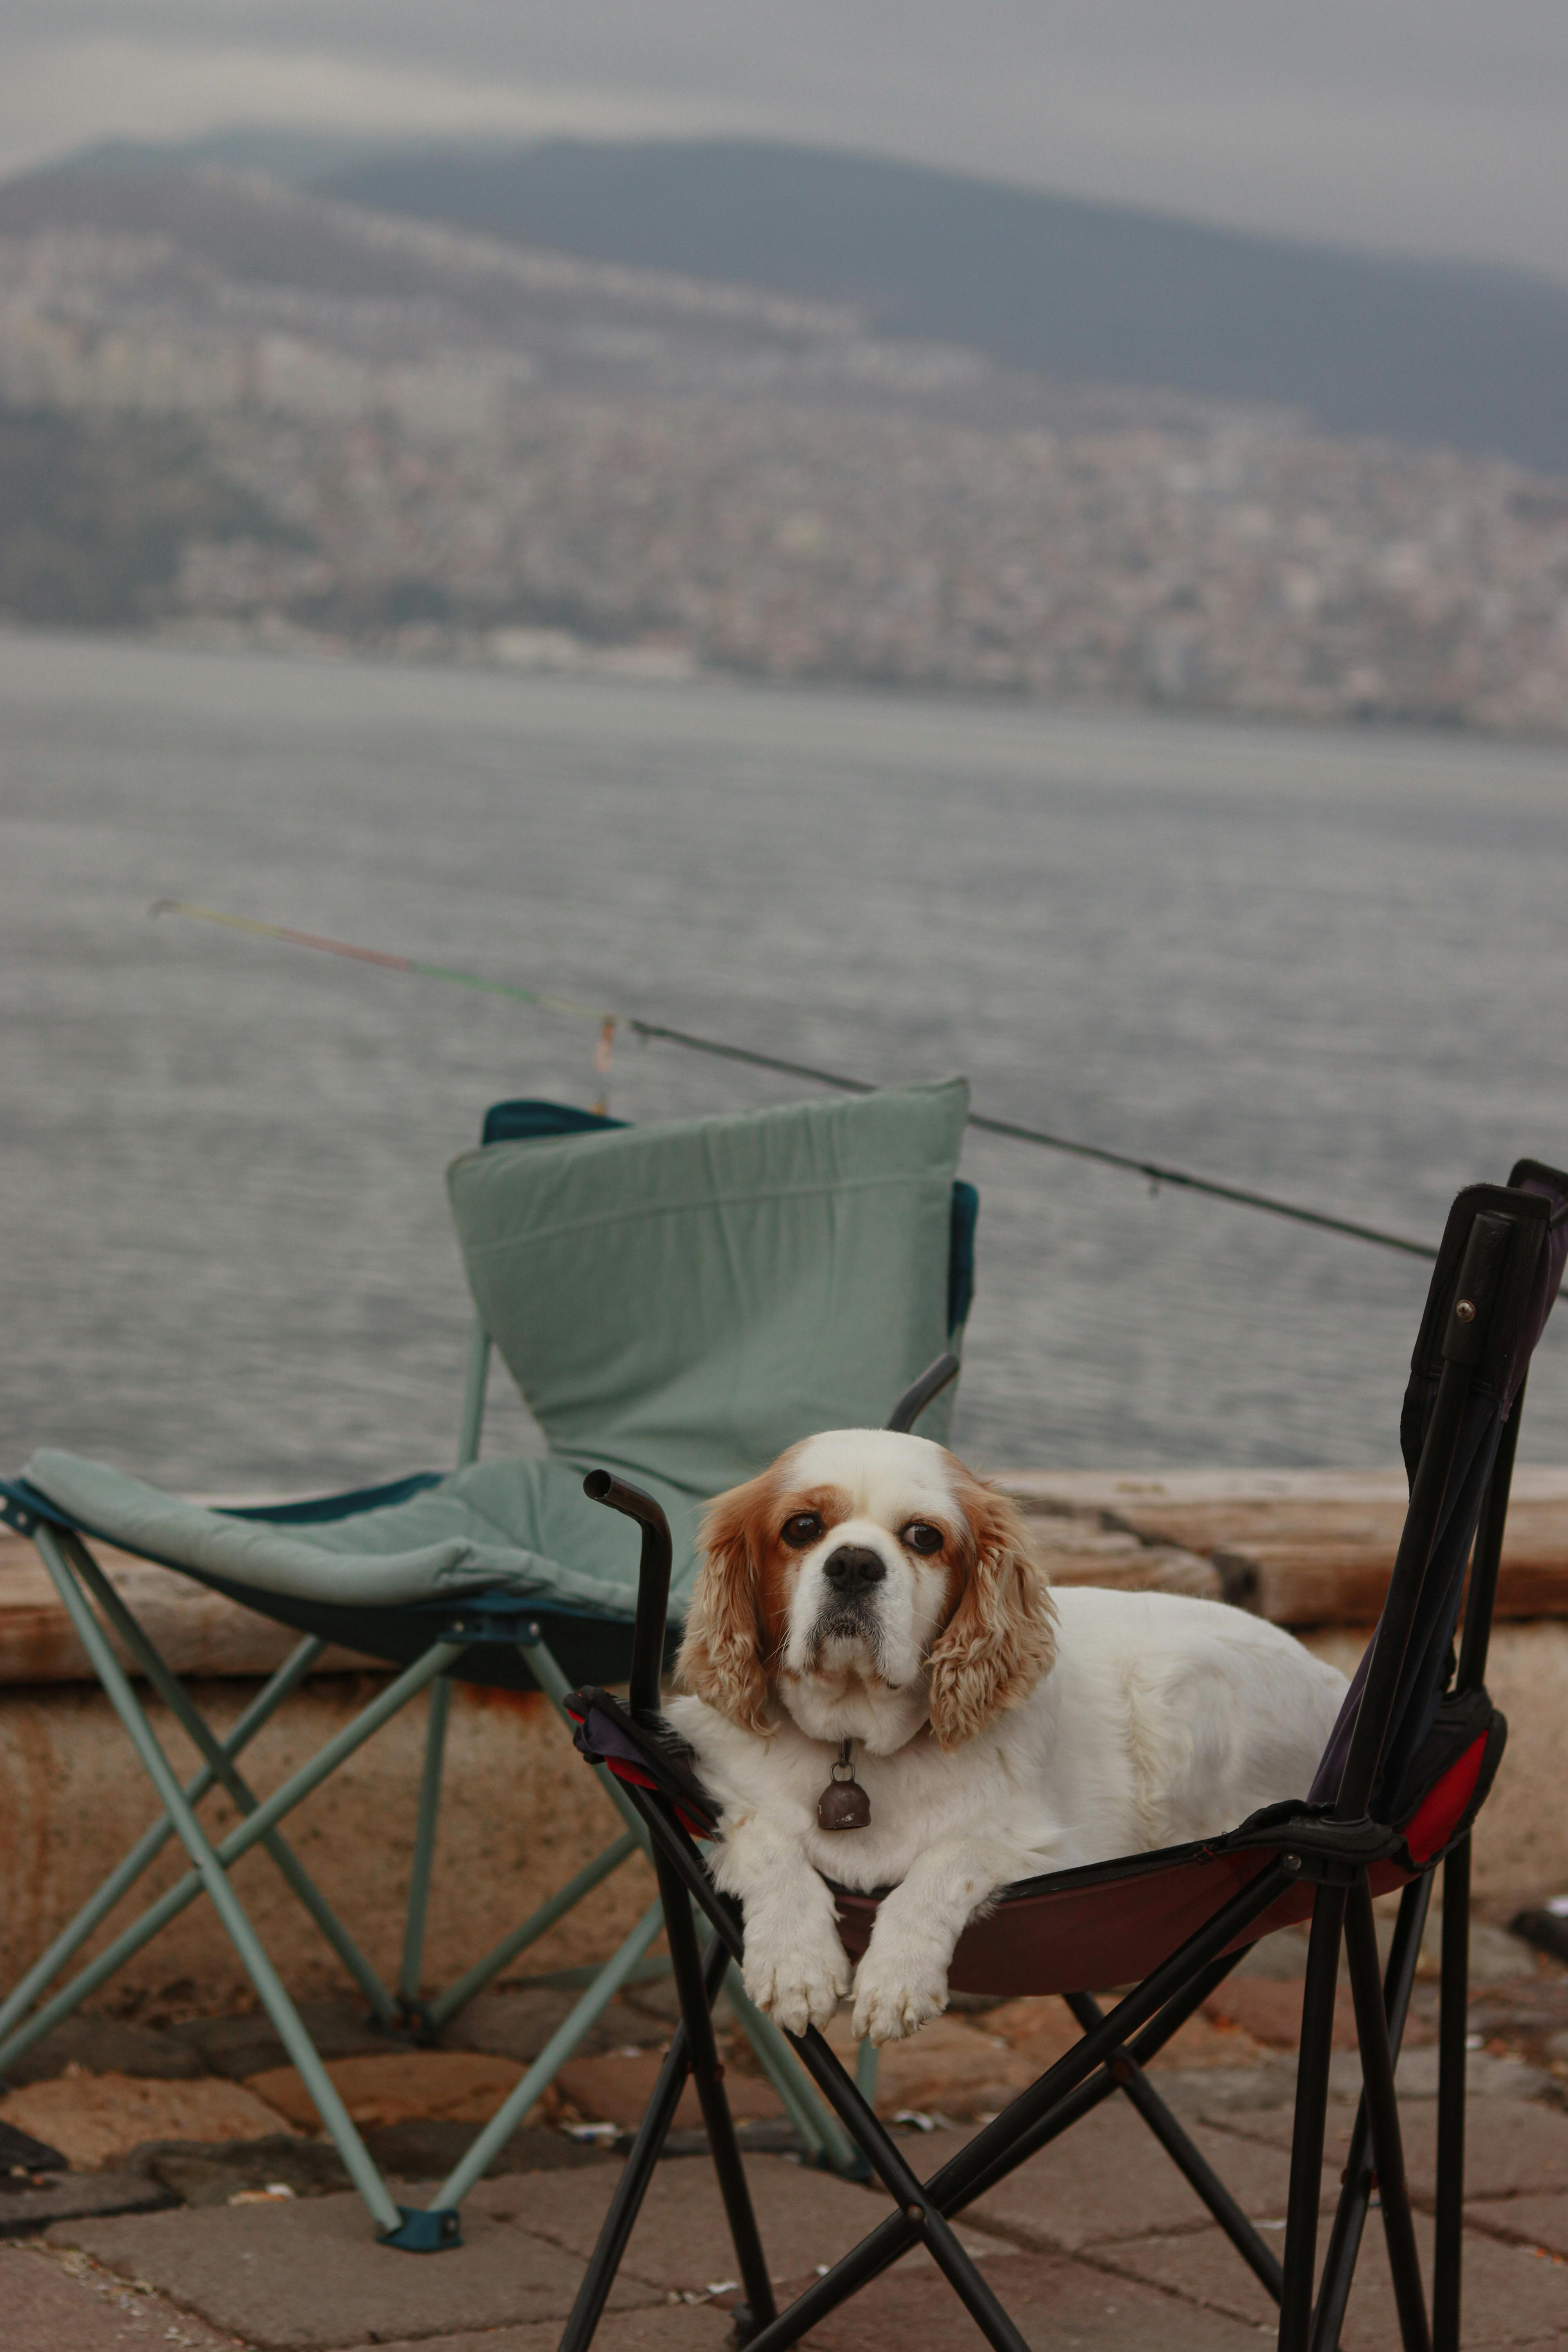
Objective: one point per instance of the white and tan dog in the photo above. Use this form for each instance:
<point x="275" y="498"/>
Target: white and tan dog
<point x="869" y="1587"/>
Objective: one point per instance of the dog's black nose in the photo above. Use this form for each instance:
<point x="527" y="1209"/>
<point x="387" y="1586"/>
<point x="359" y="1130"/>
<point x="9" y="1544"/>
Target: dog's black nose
<point x="852" y="1567"/>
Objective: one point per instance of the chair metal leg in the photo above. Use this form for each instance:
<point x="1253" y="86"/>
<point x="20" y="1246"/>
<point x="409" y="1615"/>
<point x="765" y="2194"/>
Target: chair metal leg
<point x="1447" y="2269"/>
<point x="1355" y="2194"/>
<point x="698" y="2017"/>
<point x="810" y="2115"/>
<point x="631" y="2189"/>
<point x="263" y="1707"/>
<point x="203" y="1739"/>
<point x="211" y="1874"/>
<point x="408" y="2000"/>
<point x="458" y="1994"/>
<point x="438" y="2012"/>
<point x="1312" y="2103"/>
<point x="922" y="2213"/>
<point x="1184" y="2152"/>
<point x="1383" y="2118"/>
<point x="1101" y="2085"/>
<point x="817" y="2124"/>
<point x="553" y="2056"/>
<point x="239" y="1841"/>
<point x="958" y="2184"/>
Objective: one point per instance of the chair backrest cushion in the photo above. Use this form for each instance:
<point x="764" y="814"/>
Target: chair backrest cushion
<point x="684" y="1300"/>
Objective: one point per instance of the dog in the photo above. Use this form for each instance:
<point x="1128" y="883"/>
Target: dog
<point x="870" y="1611"/>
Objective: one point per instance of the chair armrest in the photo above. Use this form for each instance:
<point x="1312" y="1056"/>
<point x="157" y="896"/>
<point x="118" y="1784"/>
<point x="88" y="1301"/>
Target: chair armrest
<point x="653" y="1584"/>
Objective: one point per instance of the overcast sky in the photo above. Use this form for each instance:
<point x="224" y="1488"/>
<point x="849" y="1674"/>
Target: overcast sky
<point x="1428" y="125"/>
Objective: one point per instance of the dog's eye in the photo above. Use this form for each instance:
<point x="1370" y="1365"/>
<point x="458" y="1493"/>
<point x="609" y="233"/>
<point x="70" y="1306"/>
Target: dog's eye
<point x="920" y="1536"/>
<point x="802" y="1530"/>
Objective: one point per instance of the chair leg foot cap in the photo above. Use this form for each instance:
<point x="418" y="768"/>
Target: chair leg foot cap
<point x="425" y="2233"/>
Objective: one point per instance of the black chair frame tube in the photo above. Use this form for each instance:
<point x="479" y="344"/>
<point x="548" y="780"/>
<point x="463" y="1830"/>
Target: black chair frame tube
<point x="676" y="1853"/>
<point x="1452" y="2022"/>
<point x="1485" y="1254"/>
<point x="1447" y="2280"/>
<point x="1184" y="2152"/>
<point x="1360" y="2174"/>
<point x="1427" y="1493"/>
<point x="1103" y="2084"/>
<point x="1036" y="2117"/>
<point x="653" y="1584"/>
<point x="697" y="2018"/>
<point x="887" y="2244"/>
<point x="1382" y="2117"/>
<point x="631" y="2189"/>
<point x="1488" y="1560"/>
<point x="1312" y="2108"/>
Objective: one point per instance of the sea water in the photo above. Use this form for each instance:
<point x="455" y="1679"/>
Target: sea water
<point x="1332" y="965"/>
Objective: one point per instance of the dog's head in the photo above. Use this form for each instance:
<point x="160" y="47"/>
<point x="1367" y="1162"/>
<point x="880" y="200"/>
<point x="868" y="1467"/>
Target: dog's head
<point x="865" y="1580"/>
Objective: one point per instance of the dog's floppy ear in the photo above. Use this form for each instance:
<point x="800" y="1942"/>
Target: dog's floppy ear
<point x="722" y="1651"/>
<point x="1001" y="1636"/>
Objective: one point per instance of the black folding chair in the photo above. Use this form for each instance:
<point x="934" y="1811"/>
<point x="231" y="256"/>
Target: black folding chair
<point x="1406" y="1772"/>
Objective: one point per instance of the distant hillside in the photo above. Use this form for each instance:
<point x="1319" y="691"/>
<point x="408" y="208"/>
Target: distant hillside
<point x="95" y="512"/>
<point x="223" y="253"/>
<point x="1423" y="352"/>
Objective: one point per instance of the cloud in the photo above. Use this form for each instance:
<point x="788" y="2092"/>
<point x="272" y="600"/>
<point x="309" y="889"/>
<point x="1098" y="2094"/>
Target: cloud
<point x="1422" y="124"/>
<point x="55" y="97"/>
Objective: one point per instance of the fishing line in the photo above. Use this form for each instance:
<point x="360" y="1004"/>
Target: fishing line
<point x="1155" y="1172"/>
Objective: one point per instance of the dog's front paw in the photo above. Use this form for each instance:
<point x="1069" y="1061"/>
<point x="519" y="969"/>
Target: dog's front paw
<point x="797" y="1987"/>
<point x="895" y="1993"/>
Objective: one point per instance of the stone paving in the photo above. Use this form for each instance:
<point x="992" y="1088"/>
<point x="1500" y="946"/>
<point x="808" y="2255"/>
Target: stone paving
<point x="1098" y="2243"/>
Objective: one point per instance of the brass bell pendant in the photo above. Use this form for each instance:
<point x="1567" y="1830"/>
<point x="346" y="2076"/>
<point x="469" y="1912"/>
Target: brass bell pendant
<point x="843" y="1804"/>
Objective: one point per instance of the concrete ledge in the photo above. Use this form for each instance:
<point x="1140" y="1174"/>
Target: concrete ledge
<point x="522" y="1813"/>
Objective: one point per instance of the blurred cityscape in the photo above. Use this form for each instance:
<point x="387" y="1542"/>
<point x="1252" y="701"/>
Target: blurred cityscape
<point x="237" y="413"/>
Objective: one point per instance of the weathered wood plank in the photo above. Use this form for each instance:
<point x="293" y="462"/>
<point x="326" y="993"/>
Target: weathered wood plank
<point x="1076" y="1547"/>
<point x="1309" y="1547"/>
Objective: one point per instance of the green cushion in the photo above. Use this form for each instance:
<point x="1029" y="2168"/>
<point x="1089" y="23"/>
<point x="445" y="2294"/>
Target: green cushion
<point x="520" y="1527"/>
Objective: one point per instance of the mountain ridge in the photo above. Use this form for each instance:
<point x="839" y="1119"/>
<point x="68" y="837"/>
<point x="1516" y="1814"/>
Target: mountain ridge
<point x="1061" y="289"/>
<point x="1470" y="354"/>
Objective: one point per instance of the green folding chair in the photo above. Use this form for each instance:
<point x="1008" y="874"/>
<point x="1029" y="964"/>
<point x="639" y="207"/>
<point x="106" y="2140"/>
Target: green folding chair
<point x="679" y="1301"/>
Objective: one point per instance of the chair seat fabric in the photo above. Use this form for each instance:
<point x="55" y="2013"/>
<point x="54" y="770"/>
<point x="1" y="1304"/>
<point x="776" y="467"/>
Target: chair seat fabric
<point x="521" y="1527"/>
<point x="1105" y="1923"/>
<point x="1114" y="1923"/>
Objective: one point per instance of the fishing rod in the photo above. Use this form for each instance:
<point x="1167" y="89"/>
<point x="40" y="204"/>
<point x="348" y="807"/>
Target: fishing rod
<point x="1155" y="1172"/>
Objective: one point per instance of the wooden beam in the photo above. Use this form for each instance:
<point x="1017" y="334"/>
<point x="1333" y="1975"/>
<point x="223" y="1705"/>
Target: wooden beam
<point x="1307" y="1546"/>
